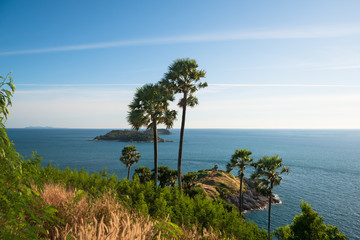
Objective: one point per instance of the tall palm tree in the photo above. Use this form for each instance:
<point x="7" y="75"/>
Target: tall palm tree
<point x="129" y="156"/>
<point x="150" y="108"/>
<point x="184" y="77"/>
<point x="267" y="175"/>
<point x="241" y="159"/>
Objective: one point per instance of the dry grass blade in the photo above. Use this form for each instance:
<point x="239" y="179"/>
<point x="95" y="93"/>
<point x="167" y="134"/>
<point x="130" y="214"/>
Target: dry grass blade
<point x="105" y="219"/>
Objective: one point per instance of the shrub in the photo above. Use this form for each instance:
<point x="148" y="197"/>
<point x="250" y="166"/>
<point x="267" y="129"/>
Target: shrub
<point x="308" y="225"/>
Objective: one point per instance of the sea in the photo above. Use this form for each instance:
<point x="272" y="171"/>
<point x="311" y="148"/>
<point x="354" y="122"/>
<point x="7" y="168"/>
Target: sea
<point x="324" y="164"/>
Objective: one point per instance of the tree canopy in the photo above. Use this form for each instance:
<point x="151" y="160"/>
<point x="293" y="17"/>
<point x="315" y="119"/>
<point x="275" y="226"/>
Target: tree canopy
<point x="129" y="156"/>
<point x="309" y="226"/>
<point x="183" y="76"/>
<point x="150" y="106"/>
<point x="267" y="173"/>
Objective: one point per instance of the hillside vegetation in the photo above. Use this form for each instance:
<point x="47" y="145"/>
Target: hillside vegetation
<point x="219" y="184"/>
<point x="159" y="203"/>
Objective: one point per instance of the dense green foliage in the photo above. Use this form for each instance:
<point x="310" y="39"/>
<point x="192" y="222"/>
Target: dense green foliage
<point x="167" y="176"/>
<point x="189" y="180"/>
<point x="128" y="136"/>
<point x="309" y="226"/>
<point x="156" y="201"/>
<point x="144" y="174"/>
<point x="22" y="214"/>
<point x="7" y="89"/>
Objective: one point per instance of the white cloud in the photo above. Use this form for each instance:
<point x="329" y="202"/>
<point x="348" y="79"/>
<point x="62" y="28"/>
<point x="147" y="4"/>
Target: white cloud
<point x="78" y="85"/>
<point x="276" y="111"/>
<point x="83" y="108"/>
<point x="299" y="33"/>
<point x="282" y="106"/>
<point x="51" y="92"/>
<point x="285" y="85"/>
<point x="339" y="67"/>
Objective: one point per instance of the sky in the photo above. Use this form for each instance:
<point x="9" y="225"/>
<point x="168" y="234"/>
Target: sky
<point x="269" y="64"/>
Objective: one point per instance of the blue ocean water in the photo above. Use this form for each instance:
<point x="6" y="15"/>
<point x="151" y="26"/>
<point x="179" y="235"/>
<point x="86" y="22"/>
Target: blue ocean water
<point x="325" y="164"/>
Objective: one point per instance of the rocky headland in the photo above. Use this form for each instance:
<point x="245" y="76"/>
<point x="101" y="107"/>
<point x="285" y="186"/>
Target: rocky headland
<point x="220" y="184"/>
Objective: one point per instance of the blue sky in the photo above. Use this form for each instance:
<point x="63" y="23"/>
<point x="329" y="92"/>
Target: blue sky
<point x="269" y="64"/>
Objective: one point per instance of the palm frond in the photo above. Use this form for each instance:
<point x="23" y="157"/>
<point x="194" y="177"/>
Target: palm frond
<point x="267" y="172"/>
<point x="151" y="102"/>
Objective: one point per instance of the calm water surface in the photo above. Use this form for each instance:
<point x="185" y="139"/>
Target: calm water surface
<point x="325" y="164"/>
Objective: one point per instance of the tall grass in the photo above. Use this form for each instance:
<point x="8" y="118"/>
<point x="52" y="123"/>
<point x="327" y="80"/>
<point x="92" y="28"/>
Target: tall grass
<point x="159" y="203"/>
<point x="104" y="218"/>
<point x="101" y="218"/>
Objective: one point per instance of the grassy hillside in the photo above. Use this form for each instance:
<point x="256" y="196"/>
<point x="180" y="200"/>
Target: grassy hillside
<point x="214" y="183"/>
<point x="223" y="185"/>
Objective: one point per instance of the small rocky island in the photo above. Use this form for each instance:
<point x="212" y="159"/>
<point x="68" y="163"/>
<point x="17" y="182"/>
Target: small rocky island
<point x="132" y="136"/>
<point x="220" y="184"/>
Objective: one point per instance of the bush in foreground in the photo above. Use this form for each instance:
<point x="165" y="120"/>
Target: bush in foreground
<point x="308" y="226"/>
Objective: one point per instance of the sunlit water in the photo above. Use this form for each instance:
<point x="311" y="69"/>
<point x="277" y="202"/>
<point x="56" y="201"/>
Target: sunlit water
<point x="325" y="164"/>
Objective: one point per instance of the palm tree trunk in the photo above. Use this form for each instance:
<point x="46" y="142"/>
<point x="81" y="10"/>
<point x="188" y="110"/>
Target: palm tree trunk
<point x="181" y="140"/>
<point x="240" y="196"/>
<point x="129" y="173"/>
<point x="155" y="151"/>
<point x="270" y="199"/>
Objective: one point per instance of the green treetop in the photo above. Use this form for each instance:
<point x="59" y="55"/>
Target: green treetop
<point x="309" y="226"/>
<point x="129" y="156"/>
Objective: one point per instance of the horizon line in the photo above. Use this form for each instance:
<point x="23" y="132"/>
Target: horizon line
<point x="216" y="128"/>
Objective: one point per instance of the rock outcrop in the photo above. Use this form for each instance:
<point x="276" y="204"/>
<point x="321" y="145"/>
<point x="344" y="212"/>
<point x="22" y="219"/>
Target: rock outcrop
<point x="252" y="199"/>
<point x="220" y="184"/>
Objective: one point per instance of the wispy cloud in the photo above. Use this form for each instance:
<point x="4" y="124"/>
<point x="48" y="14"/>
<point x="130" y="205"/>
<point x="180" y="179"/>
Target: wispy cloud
<point x="56" y="92"/>
<point x="106" y="107"/>
<point x="112" y="86"/>
<point x="339" y="67"/>
<point x="128" y="89"/>
<point x="299" y="33"/>
<point x="79" y="85"/>
<point x="306" y="66"/>
<point x="285" y="85"/>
